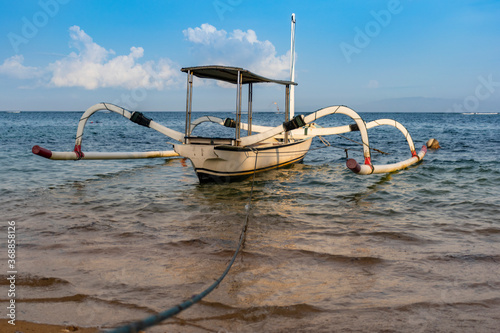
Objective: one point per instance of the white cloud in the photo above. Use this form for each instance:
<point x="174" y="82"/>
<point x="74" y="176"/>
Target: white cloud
<point x="92" y="67"/>
<point x="238" y="48"/>
<point x="206" y="34"/>
<point x="13" y="67"/>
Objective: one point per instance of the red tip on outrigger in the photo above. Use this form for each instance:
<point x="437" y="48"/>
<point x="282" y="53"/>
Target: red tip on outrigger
<point x="353" y="165"/>
<point x="37" y="150"/>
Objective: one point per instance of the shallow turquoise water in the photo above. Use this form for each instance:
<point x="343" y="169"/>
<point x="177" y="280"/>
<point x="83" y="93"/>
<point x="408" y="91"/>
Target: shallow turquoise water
<point x="103" y="242"/>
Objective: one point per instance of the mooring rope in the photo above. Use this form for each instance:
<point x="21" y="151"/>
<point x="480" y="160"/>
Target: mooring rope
<point x="363" y="144"/>
<point x="156" y="319"/>
<point x="327" y="144"/>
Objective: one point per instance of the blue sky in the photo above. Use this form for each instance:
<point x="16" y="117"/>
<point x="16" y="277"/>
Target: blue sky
<point x="398" y="56"/>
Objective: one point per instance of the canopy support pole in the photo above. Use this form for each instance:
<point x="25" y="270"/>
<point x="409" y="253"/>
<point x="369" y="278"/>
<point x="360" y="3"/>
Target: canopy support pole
<point x="250" y="98"/>
<point x="189" y="102"/>
<point x="238" y="105"/>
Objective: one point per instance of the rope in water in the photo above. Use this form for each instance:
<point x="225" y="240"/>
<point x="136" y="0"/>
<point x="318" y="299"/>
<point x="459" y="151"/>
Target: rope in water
<point x="156" y="319"/>
<point x="361" y="144"/>
<point x="328" y="144"/>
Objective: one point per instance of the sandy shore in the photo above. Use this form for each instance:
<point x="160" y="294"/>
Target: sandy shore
<point x="27" y="327"/>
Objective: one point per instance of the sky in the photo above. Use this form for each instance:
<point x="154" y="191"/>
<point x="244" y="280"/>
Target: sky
<point x="381" y="56"/>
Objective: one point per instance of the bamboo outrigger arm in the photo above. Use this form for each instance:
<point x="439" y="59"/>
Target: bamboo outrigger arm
<point x="322" y="131"/>
<point x="368" y="167"/>
<point x="305" y="120"/>
<point x="228" y="122"/>
<point x="204" y="119"/>
<point x="136" y="117"/>
<point x="360" y="125"/>
<point x="397" y="125"/>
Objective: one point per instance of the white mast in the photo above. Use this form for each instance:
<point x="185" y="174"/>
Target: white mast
<point x="292" y="69"/>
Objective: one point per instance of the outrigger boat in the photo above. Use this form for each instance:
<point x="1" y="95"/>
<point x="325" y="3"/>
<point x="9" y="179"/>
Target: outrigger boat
<point x="261" y="149"/>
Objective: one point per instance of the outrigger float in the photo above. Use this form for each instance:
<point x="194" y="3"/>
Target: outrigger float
<point x="262" y="148"/>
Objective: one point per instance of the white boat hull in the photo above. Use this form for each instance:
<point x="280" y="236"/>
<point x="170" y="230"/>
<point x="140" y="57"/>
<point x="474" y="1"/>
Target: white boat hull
<point x="224" y="163"/>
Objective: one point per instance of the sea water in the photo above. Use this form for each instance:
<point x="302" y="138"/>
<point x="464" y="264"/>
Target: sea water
<point x="101" y="243"/>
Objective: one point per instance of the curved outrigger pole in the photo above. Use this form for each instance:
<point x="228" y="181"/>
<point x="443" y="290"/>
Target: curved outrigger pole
<point x="360" y="125"/>
<point x="367" y="168"/>
<point x="136" y="117"/>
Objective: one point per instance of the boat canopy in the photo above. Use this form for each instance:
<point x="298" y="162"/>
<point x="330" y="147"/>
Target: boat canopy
<point x="230" y="74"/>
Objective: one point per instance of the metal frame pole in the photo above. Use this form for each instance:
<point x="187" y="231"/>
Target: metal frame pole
<point x="238" y="106"/>
<point x="250" y="99"/>
<point x="189" y="102"/>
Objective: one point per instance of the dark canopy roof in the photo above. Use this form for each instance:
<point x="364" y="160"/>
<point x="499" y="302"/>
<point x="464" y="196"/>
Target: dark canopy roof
<point x="230" y="74"/>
